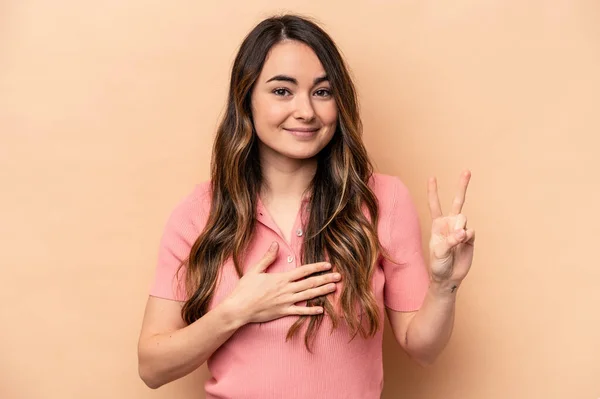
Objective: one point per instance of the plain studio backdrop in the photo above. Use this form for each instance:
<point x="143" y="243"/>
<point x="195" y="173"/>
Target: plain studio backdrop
<point x="107" y="116"/>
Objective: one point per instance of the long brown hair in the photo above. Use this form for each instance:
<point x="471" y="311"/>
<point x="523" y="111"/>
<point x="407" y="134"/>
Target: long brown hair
<point x="337" y="229"/>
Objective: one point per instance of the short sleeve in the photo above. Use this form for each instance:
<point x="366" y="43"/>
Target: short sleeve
<point x="180" y="233"/>
<point x="407" y="282"/>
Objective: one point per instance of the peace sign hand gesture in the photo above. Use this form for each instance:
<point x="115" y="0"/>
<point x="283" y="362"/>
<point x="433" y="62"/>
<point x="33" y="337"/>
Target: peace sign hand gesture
<point x="452" y="244"/>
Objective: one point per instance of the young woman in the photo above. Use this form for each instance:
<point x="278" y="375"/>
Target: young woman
<point x="277" y="271"/>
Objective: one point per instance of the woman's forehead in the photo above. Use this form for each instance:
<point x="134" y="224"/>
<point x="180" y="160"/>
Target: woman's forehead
<point x="293" y="59"/>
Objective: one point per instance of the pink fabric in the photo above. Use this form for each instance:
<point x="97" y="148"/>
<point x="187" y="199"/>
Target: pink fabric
<point x="256" y="362"/>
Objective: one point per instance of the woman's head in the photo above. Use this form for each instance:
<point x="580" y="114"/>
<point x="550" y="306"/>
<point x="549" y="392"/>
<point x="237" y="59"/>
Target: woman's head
<point x="293" y="109"/>
<point x="288" y="75"/>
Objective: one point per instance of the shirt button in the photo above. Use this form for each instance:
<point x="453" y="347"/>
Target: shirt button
<point x="290" y="259"/>
<point x="299" y="232"/>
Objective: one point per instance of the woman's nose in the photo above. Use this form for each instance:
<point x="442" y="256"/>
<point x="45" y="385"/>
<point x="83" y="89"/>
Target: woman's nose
<point x="304" y="109"/>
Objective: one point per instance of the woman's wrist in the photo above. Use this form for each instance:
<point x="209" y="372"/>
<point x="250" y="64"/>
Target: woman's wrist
<point x="233" y="314"/>
<point x="444" y="288"/>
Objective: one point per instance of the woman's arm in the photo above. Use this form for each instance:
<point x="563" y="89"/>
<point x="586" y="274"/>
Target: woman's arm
<point x="424" y="334"/>
<point x="169" y="350"/>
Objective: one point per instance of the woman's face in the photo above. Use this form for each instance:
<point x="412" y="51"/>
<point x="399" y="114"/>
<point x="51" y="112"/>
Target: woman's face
<point x="294" y="112"/>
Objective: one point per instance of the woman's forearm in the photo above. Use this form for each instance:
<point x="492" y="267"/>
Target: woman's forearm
<point x="430" y="329"/>
<point x="167" y="357"/>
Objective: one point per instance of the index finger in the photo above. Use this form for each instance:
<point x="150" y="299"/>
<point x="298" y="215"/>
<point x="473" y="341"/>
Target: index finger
<point x="307" y="270"/>
<point x="434" y="202"/>
<point x="459" y="199"/>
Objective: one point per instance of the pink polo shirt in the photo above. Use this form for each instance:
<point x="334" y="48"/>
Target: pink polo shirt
<point x="256" y="362"/>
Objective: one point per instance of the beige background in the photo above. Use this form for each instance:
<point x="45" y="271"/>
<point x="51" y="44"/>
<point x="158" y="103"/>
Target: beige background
<point x="107" y="115"/>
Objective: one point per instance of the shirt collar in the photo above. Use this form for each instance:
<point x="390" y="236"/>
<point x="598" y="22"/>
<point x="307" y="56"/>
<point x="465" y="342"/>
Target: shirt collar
<point x="261" y="210"/>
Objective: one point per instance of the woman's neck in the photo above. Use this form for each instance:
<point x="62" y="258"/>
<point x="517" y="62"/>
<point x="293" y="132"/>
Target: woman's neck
<point x="285" y="178"/>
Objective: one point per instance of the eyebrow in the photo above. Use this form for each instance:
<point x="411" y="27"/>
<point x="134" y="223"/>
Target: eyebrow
<point x="285" y="78"/>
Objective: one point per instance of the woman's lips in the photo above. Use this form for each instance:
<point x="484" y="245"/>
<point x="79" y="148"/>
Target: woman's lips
<point x="302" y="132"/>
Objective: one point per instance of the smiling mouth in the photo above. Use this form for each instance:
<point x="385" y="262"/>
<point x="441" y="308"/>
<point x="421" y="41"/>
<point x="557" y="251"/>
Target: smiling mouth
<point x="302" y="129"/>
<point x="303" y="133"/>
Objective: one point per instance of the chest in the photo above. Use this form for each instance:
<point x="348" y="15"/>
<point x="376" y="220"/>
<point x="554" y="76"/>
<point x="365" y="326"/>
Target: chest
<point x="284" y="222"/>
<point x="283" y="217"/>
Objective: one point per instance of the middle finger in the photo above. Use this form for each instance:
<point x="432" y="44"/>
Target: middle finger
<point x="459" y="199"/>
<point x="313" y="282"/>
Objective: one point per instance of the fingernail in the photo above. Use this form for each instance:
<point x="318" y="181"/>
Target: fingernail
<point x="273" y="245"/>
<point x="336" y="275"/>
<point x="327" y="265"/>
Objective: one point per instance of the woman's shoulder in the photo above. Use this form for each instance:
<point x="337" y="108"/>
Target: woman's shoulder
<point x="393" y="195"/>
<point x="198" y="195"/>
<point x="202" y="192"/>
<point x="386" y="186"/>
<point x="193" y="206"/>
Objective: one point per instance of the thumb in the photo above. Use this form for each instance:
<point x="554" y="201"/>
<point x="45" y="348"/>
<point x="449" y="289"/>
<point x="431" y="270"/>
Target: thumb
<point x="267" y="259"/>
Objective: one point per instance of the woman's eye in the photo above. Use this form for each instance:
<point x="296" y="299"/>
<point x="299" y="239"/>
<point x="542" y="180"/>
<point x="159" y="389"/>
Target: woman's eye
<point x="280" y="92"/>
<point x="323" y="93"/>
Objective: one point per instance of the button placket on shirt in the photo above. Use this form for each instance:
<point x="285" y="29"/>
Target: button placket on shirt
<point x="298" y="237"/>
<point x="294" y="245"/>
<point x="297" y="242"/>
